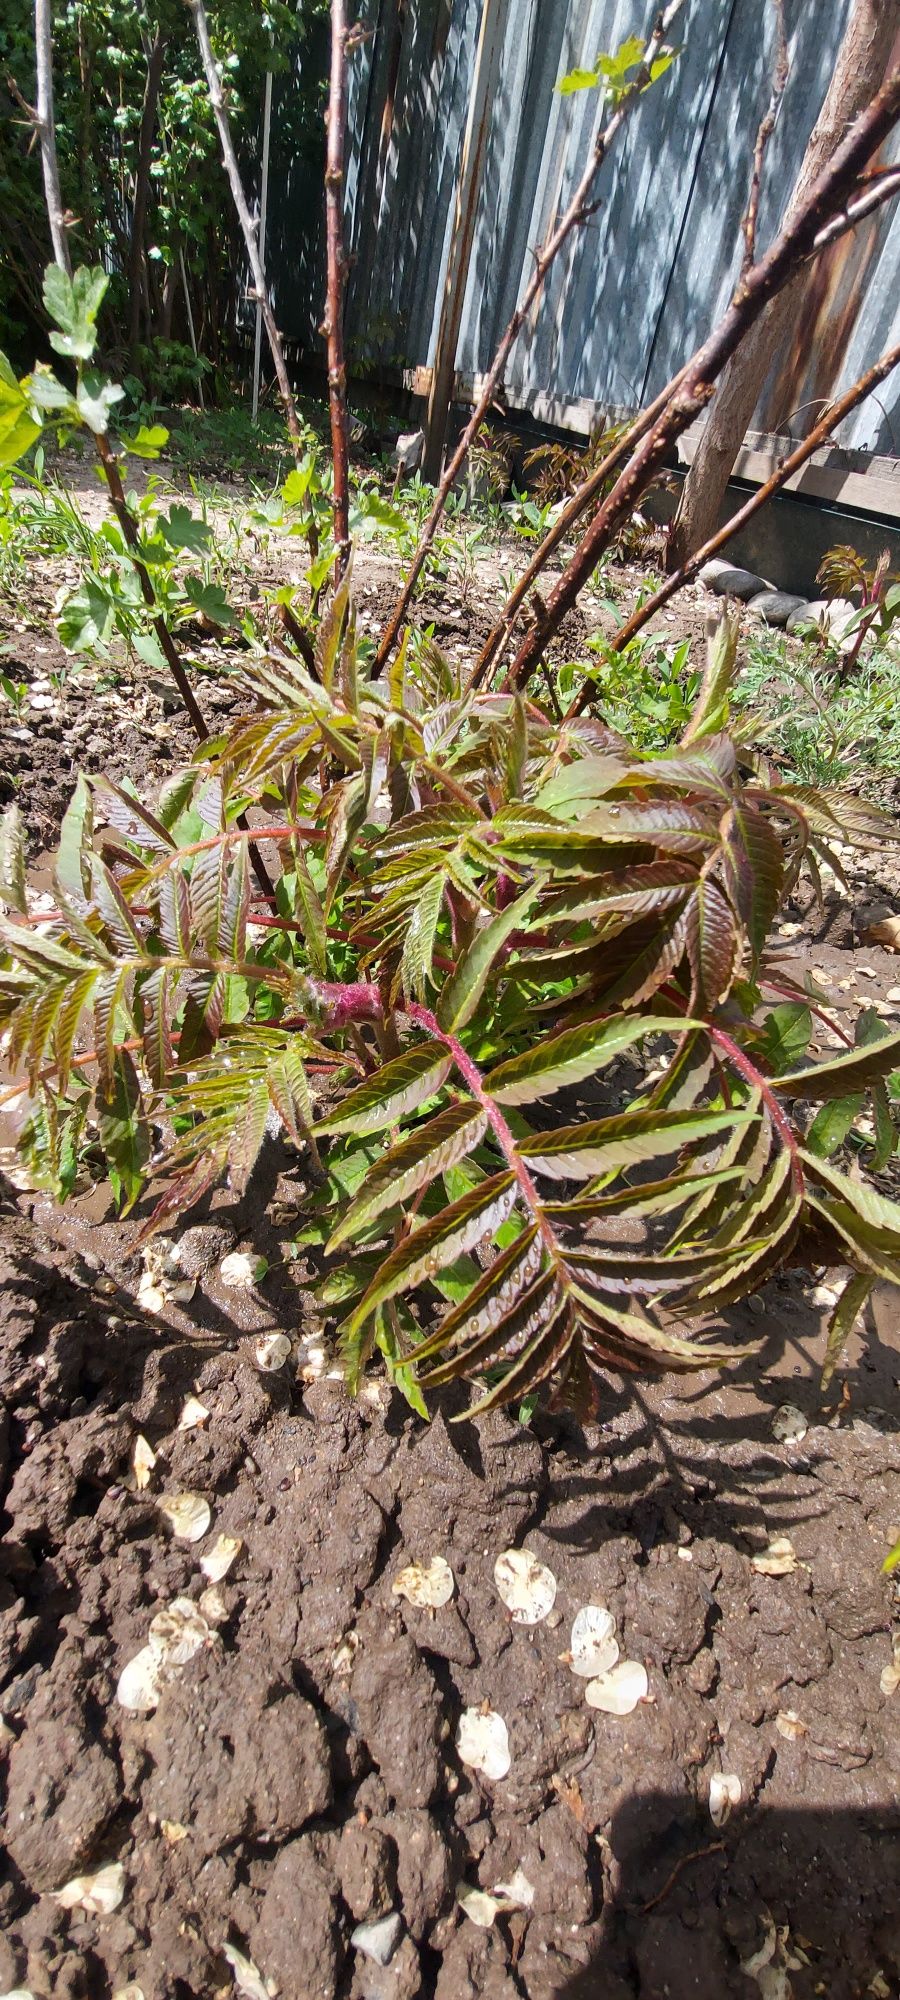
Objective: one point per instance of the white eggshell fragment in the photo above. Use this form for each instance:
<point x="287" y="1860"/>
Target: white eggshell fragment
<point x="620" y="1690"/>
<point x="249" y="1982"/>
<point x="212" y="1606"/>
<point x="789" y="1425"/>
<point x="143" y="1459"/>
<point x="430" y="1583"/>
<point x="593" y="1647"/>
<point x="178" y="1632"/>
<point x="890" y="1679"/>
<point x="150" y="1295"/>
<point x="98" y="1894"/>
<point x="777" y="1559"/>
<point x="129" y="1992"/>
<point x="527" y="1587"/>
<point x="482" y="1741"/>
<point x="239" y="1271"/>
<point x="193" y="1414"/>
<point x="790" y="1725"/>
<point x="218" y="1560"/>
<point x="189" y="1514"/>
<point x="724" y="1795"/>
<point x="516" y="1894"/>
<point x="477" y="1905"/>
<point x="140" y="1683"/>
<point x="271" y="1352"/>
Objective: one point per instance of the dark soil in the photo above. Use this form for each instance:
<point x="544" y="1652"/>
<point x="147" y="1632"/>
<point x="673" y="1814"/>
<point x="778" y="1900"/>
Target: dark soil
<point x="300" y="1775"/>
<point x="295" y="1780"/>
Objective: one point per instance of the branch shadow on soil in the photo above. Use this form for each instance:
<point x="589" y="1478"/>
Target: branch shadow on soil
<point x="786" y="1905"/>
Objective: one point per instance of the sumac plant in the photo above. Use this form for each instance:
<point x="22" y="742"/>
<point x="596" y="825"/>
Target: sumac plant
<point x="477" y="912"/>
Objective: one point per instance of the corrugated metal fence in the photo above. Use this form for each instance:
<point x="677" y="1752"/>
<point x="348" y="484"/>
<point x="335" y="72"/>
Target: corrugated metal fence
<point x="642" y="283"/>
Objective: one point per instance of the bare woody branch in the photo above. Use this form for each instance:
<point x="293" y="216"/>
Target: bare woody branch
<point x="334" y="307"/>
<point x="248" y="226"/>
<point x="577" y="213"/>
<point x="46" y="131"/>
<point x="790" y="465"/>
<point x="882" y="187"/>
<point x="575" y="506"/>
<point x="833" y="188"/>
<point x="764" y="134"/>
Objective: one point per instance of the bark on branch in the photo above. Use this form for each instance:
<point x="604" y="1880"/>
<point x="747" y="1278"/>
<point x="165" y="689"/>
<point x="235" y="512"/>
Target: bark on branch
<point x="827" y="195"/>
<point x="46" y="131"/>
<point x="794" y="462"/>
<point x="334" y="308"/>
<point x="248" y="226"/>
<point x="574" y="217"/>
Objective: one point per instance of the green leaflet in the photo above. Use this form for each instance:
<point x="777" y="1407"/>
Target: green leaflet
<point x="399" y="1088"/>
<point x="463" y="991"/>
<point x="569" y="1057"/>
<point x="853" y="1299"/>
<point x="417" y="1161"/>
<point x="842" y="1076"/>
<point x="446" y="1236"/>
<point x="73" y="862"/>
<point x="511" y="1328"/>
<point x="648" y="888"/>
<point x="490" y="1296"/>
<point x="577" y="1152"/>
<point x="421" y="931"/>
<point x="123" y="1131"/>
<point x="874" y="1208"/>
<point x="754" y="870"/>
<point x="711" y="944"/>
<point x="12" y="860"/>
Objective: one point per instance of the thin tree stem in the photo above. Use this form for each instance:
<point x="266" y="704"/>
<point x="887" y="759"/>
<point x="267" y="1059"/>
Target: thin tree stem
<point x="46" y="130"/>
<point x="248" y="231"/>
<point x="575" y="216"/>
<point x="334" y="309"/>
<point x="786" y="470"/>
<point x="753" y="292"/>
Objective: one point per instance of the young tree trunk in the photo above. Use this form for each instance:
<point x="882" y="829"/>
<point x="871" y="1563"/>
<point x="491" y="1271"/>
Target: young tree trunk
<point x="43" y="54"/>
<point x="860" y="70"/>
<point x="137" y="262"/>
<point x="248" y="227"/>
<point x="334" y="309"/>
<point x="831" y="196"/>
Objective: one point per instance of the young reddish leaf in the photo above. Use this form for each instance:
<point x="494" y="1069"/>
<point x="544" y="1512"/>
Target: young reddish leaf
<point x="842" y="1076"/>
<point x="711" y="943"/>
<point x="396" y="1090"/>
<point x="444" y="1237"/>
<point x="754" y="868"/>
<point x="416" y="1162"/>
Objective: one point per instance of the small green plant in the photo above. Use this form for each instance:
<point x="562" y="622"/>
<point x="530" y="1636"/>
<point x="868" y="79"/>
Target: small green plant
<point x="477" y="911"/>
<point x="647" y="691"/>
<point x="843" y="573"/>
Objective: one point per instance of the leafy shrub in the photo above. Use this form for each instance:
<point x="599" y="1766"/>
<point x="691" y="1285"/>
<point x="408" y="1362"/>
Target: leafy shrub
<point x="477" y="911"/>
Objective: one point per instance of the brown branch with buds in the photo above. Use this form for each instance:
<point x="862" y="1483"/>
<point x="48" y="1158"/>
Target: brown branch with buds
<point x="334" y="308"/>
<point x="576" y="215"/>
<point x="833" y="188"/>
<point x="795" y="460"/>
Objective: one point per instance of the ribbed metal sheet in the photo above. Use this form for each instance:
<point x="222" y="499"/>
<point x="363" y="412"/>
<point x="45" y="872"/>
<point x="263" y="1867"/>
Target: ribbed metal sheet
<point x="643" y="282"/>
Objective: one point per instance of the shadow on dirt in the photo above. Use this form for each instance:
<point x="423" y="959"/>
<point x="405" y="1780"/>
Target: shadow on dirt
<point x="774" y="1905"/>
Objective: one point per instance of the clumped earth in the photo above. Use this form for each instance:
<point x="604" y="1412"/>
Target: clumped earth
<point x="299" y="1776"/>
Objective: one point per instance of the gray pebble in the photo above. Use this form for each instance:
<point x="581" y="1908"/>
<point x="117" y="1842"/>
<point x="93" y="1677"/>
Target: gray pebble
<point x="727" y="581"/>
<point x="777" y="606"/>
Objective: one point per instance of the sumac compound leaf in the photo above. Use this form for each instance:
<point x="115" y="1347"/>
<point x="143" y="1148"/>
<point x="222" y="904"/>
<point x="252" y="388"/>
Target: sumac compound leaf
<point x="712" y="944"/>
<point x="578" y="1152"/>
<point x="754" y="867"/>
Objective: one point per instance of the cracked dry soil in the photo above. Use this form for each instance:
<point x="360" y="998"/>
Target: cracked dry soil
<point x="293" y="1782"/>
